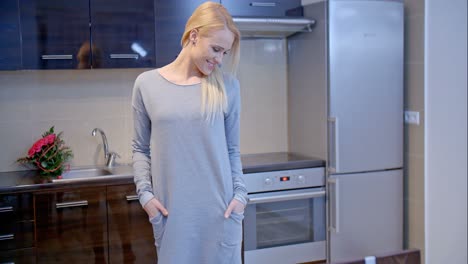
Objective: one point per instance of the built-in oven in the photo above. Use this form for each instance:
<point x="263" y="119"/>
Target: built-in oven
<point x="285" y="218"/>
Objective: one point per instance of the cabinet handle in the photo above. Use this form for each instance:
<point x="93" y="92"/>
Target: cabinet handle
<point x="57" y="57"/>
<point x="6" y="209"/>
<point x="124" y="56"/>
<point x="7" y="237"/>
<point x="71" y="204"/>
<point x="131" y="197"/>
<point x="263" y="4"/>
<point x="334" y="205"/>
<point x="286" y="197"/>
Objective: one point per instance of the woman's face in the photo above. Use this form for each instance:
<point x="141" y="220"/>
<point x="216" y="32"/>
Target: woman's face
<point x="210" y="49"/>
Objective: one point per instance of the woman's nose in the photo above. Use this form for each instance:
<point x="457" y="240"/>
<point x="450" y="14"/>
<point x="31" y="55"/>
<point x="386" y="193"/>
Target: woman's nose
<point x="219" y="58"/>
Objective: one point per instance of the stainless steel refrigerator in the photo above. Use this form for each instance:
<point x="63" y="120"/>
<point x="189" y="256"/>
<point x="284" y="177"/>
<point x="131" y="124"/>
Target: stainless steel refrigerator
<point x="346" y="106"/>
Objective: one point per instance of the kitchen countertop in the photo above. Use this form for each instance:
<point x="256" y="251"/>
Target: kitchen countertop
<point x="25" y="181"/>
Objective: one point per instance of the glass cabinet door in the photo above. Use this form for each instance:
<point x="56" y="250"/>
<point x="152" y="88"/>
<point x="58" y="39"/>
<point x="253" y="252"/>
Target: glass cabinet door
<point x="122" y="33"/>
<point x="55" y="34"/>
<point x="10" y="44"/>
<point x="170" y="19"/>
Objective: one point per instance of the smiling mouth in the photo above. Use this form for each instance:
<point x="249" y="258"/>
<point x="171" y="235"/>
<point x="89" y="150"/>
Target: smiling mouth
<point x="210" y="65"/>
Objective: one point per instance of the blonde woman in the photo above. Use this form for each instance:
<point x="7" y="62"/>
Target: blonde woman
<point x="187" y="112"/>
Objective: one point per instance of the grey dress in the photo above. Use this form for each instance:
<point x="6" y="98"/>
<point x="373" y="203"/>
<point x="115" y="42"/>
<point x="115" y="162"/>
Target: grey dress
<point x="194" y="170"/>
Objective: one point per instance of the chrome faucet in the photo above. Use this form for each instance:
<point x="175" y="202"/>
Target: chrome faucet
<point x="109" y="156"/>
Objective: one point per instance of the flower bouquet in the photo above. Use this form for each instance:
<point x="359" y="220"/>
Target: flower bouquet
<point x="48" y="155"/>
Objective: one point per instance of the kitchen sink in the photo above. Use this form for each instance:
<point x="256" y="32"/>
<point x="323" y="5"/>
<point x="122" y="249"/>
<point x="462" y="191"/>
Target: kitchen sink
<point x="85" y="173"/>
<point x="95" y="173"/>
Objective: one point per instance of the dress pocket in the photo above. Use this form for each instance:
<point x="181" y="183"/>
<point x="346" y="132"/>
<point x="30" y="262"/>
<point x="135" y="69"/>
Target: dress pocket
<point x="158" y="222"/>
<point x="230" y="248"/>
<point x="233" y="229"/>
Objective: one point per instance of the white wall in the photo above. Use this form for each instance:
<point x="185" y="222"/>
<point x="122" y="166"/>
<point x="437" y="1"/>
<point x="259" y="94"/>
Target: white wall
<point x="446" y="131"/>
<point x="263" y="79"/>
<point x="414" y="133"/>
<point x="76" y="101"/>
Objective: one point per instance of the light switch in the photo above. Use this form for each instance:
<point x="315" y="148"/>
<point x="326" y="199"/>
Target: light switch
<point x="370" y="260"/>
<point x="412" y="117"/>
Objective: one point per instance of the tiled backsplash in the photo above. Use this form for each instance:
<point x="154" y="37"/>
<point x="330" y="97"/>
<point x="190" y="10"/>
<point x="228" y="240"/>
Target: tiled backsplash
<point x="73" y="101"/>
<point x="76" y="101"/>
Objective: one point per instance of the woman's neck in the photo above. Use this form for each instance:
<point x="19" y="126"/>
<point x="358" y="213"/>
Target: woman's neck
<point x="182" y="70"/>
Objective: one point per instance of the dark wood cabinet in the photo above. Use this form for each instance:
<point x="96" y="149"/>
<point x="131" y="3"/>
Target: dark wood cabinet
<point x="122" y="33"/>
<point x="20" y="256"/>
<point x="16" y="221"/>
<point x="10" y="44"/>
<point x="101" y="224"/>
<point x="265" y="8"/>
<point x="16" y="235"/>
<point x="55" y="34"/>
<point x="93" y="225"/>
<point x="16" y="207"/>
<point x="71" y="226"/>
<point x="170" y="20"/>
<point x="16" y="228"/>
<point x="130" y="233"/>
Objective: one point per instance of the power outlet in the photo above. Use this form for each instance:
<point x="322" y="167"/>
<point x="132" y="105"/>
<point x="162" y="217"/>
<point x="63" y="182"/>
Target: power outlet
<point x="412" y="117"/>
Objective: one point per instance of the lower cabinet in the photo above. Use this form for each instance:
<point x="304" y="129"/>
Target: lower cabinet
<point x="130" y="233"/>
<point x="71" y="226"/>
<point x="92" y="225"/>
<point x="19" y="256"/>
<point x="16" y="228"/>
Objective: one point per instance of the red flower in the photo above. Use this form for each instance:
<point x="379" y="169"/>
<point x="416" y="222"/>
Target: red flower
<point x="31" y="151"/>
<point x="42" y="152"/>
<point x="50" y="139"/>
<point x="40" y="143"/>
<point x="37" y="146"/>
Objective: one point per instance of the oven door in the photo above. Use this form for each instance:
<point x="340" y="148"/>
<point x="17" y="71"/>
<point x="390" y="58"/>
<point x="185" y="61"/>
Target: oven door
<point x="285" y="227"/>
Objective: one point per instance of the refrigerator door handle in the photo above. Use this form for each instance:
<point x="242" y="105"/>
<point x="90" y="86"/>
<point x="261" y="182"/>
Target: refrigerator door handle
<point x="333" y="145"/>
<point x="334" y="205"/>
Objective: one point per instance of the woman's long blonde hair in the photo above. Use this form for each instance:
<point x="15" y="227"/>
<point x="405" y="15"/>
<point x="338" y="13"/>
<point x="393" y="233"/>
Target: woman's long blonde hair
<point x="207" y="17"/>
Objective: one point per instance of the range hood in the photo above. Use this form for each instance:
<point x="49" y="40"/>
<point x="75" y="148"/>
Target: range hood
<point x="254" y="27"/>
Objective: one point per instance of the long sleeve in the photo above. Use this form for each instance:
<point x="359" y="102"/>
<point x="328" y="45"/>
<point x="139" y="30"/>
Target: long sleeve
<point x="232" y="129"/>
<point x="141" y="148"/>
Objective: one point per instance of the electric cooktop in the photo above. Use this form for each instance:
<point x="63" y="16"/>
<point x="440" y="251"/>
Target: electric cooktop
<point x="275" y="161"/>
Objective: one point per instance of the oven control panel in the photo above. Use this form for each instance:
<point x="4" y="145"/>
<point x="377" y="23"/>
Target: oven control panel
<point x="282" y="180"/>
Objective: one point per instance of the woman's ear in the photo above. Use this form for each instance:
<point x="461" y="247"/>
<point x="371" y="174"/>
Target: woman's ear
<point x="194" y="36"/>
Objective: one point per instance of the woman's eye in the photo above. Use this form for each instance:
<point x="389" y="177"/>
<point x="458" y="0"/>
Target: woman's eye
<point x="216" y="49"/>
<point x="225" y="53"/>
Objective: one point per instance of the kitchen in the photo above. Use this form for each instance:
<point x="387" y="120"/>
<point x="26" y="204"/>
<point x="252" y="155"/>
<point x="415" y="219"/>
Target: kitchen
<point x="78" y="101"/>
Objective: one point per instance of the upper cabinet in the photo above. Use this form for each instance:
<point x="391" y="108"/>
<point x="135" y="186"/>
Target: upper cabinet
<point x="10" y="44"/>
<point x="122" y="33"/>
<point x="55" y="34"/>
<point x="263" y="8"/>
<point x="170" y="19"/>
<point x="82" y="34"/>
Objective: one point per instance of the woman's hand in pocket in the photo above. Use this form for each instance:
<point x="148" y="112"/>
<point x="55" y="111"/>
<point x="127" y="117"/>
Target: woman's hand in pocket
<point x="153" y="206"/>
<point x="234" y="206"/>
